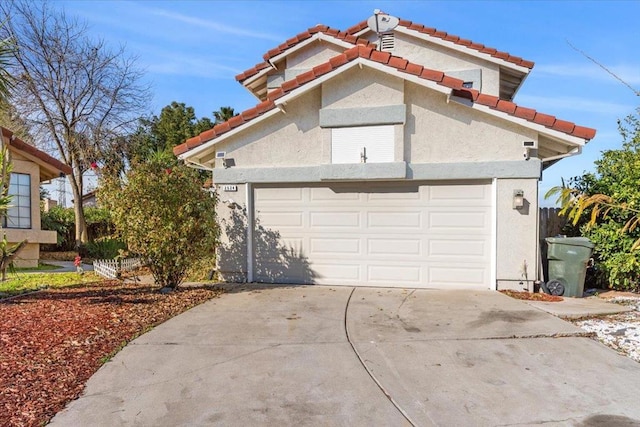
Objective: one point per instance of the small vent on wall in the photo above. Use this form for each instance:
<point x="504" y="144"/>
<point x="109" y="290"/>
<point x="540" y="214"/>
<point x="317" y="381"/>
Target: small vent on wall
<point x="387" y="42"/>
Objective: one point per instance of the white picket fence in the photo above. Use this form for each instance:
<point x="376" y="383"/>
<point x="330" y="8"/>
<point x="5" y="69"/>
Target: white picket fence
<point x="111" y="268"/>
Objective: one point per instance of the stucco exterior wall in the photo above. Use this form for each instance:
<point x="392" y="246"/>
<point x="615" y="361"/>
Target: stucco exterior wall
<point x="362" y="88"/>
<point x="436" y="57"/>
<point x="29" y="255"/>
<point x="287" y="139"/>
<point x="517" y="235"/>
<point x="30" y="168"/>
<point x="437" y="131"/>
<point x="312" y="55"/>
<point x="233" y="221"/>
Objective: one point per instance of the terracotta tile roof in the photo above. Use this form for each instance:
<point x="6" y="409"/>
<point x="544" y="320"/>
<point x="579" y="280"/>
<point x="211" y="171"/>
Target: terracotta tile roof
<point x="340" y="35"/>
<point x="454" y="39"/>
<point x="402" y="65"/>
<point x="19" y="144"/>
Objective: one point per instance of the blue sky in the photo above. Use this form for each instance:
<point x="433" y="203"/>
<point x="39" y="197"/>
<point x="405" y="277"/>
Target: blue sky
<point x="191" y="50"/>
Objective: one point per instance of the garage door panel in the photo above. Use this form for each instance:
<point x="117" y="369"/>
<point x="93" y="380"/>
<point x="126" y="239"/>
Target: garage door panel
<point x="278" y="195"/>
<point x="458" y="192"/>
<point x="413" y="235"/>
<point x="322" y="194"/>
<point x="335" y="219"/>
<point x="394" y="247"/>
<point x="402" y="275"/>
<point x="407" y="196"/>
<point x="336" y="273"/>
<point x="394" y="220"/>
<point x="328" y="246"/>
<point x="458" y="220"/>
<point x="282" y="219"/>
<point x="458" y="274"/>
<point x="458" y="248"/>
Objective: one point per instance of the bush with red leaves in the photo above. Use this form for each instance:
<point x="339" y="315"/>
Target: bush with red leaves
<point x="51" y="342"/>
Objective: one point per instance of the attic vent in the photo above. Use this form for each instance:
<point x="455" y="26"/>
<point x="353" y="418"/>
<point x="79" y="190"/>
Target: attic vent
<point x="387" y="42"/>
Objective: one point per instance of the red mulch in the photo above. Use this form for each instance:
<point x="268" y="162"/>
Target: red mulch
<point x="51" y="342"/>
<point x="529" y="296"/>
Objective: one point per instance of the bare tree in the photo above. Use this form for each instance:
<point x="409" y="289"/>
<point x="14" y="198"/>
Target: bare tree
<point x="6" y="53"/>
<point x="79" y="93"/>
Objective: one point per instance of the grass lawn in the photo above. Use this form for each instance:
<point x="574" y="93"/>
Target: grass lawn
<point x="19" y="283"/>
<point x="40" y="267"/>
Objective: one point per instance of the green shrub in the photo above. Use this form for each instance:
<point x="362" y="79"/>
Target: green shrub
<point x="605" y="207"/>
<point x="200" y="270"/>
<point x="62" y="221"/>
<point x="620" y="266"/>
<point x="104" y="248"/>
<point x="164" y="215"/>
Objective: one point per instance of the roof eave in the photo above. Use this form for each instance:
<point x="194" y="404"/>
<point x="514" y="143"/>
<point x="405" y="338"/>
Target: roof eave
<point x="462" y="49"/>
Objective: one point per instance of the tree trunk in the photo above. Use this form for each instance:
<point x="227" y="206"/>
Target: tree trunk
<point x="81" y="224"/>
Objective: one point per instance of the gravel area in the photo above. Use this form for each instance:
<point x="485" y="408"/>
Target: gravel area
<point x="618" y="331"/>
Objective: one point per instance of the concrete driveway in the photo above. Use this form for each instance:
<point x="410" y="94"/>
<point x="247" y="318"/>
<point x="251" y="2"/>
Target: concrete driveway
<point x="318" y="355"/>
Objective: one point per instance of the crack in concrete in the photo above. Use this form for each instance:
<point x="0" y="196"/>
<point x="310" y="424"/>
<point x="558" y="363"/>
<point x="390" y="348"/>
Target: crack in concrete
<point x="364" y="365"/>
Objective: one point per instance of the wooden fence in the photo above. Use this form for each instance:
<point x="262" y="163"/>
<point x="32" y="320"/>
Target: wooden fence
<point x="111" y="268"/>
<point x="551" y="223"/>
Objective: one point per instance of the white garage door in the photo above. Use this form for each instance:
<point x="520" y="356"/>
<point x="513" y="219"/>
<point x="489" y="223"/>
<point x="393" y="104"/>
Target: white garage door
<point x="381" y="234"/>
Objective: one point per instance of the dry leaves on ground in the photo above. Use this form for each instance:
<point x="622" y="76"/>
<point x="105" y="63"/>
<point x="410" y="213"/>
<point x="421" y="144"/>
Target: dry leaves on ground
<point x="51" y="342"/>
<point x="530" y="296"/>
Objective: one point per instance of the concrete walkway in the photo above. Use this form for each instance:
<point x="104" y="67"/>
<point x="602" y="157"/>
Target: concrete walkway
<point x="66" y="266"/>
<point x="361" y="357"/>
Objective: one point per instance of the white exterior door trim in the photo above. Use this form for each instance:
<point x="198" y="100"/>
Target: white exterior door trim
<point x="494" y="235"/>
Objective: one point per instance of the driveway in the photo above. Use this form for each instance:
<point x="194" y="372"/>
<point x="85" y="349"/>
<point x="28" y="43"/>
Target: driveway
<point x="319" y="355"/>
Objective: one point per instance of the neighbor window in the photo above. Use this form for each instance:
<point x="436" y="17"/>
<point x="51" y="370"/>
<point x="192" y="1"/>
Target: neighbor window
<point x="19" y="214"/>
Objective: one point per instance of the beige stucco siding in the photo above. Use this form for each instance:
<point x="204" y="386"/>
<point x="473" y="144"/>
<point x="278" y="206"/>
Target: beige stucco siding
<point x="30" y="168"/>
<point x="28" y="256"/>
<point x="286" y="139"/>
<point x="233" y="221"/>
<point x="362" y="87"/>
<point x="317" y="53"/>
<point x="517" y="233"/>
<point x="436" y="57"/>
<point x="437" y="131"/>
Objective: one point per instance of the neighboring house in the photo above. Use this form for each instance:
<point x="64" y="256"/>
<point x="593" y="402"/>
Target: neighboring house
<point x="30" y="167"/>
<point x="405" y="164"/>
<point x="89" y="200"/>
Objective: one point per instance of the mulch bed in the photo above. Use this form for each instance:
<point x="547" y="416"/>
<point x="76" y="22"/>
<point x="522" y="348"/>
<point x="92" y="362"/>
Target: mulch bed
<point x="51" y="342"/>
<point x="530" y="296"/>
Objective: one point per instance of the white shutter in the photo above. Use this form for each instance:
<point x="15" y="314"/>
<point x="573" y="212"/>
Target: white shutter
<point x="347" y="144"/>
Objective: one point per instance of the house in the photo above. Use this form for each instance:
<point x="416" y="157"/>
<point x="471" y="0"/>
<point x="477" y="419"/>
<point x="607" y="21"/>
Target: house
<point x="397" y="159"/>
<point x="89" y="200"/>
<point x="30" y="167"/>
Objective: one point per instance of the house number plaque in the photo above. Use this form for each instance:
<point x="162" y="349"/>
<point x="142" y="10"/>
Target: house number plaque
<point x="229" y="188"/>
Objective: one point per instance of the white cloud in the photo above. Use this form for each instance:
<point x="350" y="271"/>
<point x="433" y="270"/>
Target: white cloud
<point x="215" y="26"/>
<point x="573" y="103"/>
<point x="171" y="62"/>
<point x="629" y="73"/>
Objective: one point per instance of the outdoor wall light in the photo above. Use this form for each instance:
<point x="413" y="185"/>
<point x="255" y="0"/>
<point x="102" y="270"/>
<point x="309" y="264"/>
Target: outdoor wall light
<point x="518" y="199"/>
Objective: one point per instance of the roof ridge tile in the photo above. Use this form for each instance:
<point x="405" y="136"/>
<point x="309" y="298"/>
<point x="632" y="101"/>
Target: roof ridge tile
<point x="454" y="39"/>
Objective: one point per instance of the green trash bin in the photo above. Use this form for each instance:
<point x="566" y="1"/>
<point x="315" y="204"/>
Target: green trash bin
<point x="568" y="258"/>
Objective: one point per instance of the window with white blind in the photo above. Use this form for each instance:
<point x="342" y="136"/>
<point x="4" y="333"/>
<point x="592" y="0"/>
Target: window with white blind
<point x="363" y="144"/>
<point x="19" y="212"/>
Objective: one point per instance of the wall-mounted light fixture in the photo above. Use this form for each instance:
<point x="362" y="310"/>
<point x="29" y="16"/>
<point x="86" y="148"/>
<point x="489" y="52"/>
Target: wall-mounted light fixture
<point x="518" y="199"/>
